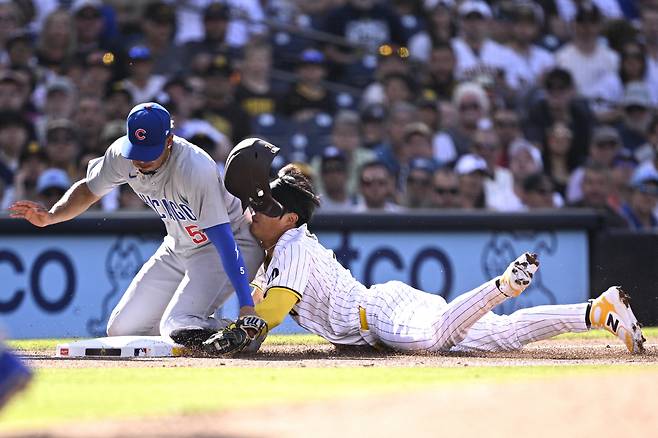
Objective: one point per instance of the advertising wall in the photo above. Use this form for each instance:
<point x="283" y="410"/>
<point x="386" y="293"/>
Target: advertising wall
<point x="66" y="285"/>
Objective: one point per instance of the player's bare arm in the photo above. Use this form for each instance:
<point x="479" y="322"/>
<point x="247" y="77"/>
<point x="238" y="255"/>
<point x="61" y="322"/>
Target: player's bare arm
<point x="77" y="199"/>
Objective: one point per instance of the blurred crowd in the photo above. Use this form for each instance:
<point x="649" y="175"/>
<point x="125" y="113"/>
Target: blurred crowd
<point x="388" y="105"/>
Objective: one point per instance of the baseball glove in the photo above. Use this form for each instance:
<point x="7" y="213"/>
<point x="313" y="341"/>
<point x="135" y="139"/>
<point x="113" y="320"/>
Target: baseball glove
<point x="246" y="334"/>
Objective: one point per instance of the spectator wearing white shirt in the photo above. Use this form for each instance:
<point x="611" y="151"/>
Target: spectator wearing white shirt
<point x="527" y="20"/>
<point x="590" y="61"/>
<point x="476" y="53"/>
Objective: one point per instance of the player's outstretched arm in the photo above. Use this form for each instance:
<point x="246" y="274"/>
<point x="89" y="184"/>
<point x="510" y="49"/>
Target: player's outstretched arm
<point x="77" y="199"/>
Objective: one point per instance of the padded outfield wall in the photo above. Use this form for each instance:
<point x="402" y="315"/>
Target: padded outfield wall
<point x="64" y="280"/>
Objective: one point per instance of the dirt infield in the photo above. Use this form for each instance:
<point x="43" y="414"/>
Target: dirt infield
<point x="552" y="352"/>
<point x="603" y="404"/>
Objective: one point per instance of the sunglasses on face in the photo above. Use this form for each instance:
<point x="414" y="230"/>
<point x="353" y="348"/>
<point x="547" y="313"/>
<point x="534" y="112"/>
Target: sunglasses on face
<point x="446" y="190"/>
<point x="369" y="182"/>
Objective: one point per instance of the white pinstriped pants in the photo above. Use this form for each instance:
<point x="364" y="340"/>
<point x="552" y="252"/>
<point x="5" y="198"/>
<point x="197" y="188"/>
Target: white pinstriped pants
<point x="408" y="319"/>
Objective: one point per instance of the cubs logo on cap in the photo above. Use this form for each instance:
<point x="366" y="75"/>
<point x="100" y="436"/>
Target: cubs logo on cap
<point x="148" y="126"/>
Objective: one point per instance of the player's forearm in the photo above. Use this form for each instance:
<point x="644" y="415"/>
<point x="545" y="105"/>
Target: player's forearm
<point x="276" y="305"/>
<point x="77" y="199"/>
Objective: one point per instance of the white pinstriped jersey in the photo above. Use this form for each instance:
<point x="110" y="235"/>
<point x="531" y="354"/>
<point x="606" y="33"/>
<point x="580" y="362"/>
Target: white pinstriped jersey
<point x="329" y="296"/>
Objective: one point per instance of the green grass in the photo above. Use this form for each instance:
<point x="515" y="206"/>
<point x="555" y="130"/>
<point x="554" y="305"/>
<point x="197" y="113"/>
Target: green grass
<point x="61" y="395"/>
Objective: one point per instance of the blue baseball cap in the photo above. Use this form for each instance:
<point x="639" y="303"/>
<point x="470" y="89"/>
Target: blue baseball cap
<point x="148" y="126"/>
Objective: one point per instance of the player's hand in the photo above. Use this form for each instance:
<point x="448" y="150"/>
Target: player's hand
<point x="246" y="334"/>
<point x="33" y="212"/>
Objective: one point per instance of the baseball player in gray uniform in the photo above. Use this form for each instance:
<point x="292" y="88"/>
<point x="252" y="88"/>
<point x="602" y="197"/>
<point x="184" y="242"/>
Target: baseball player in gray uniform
<point x="302" y="278"/>
<point x="179" y="288"/>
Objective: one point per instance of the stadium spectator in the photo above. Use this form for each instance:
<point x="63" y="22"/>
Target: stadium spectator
<point x="499" y="187"/>
<point x="391" y="153"/>
<point x="377" y="189"/>
<point x="56" y="43"/>
<point x="634" y="66"/>
<point x="595" y="188"/>
<point x="472" y="105"/>
<point x="308" y="96"/>
<point x="143" y="82"/>
<point x="507" y="127"/>
<point x="20" y="50"/>
<point x="158" y="25"/>
<point x="346" y="137"/>
<point x="439" y="28"/>
<point x="89" y="119"/>
<point x="537" y="191"/>
<point x="525" y="160"/>
<point x="650" y="38"/>
<point x="334" y="197"/>
<point x="199" y="53"/>
<point x="51" y="186"/>
<point x="557" y="162"/>
<point x="89" y="28"/>
<point x="11" y="22"/>
<point x="639" y="211"/>
<point x="398" y="88"/>
<point x="32" y="163"/>
<point x="221" y="108"/>
<point x="589" y="60"/>
<point x="255" y="93"/>
<point x="440" y="78"/>
<point x="11" y="96"/>
<point x="621" y="171"/>
<point x="476" y="53"/>
<point x="472" y="171"/>
<point x="637" y="109"/>
<point x="527" y="19"/>
<point x="445" y="188"/>
<point x="61" y="146"/>
<point x="118" y="100"/>
<point x="98" y="71"/>
<point x="372" y="126"/>
<point x="417" y="143"/>
<point x="392" y="61"/>
<point x="561" y="104"/>
<point x="418" y="183"/>
<point x="605" y="146"/>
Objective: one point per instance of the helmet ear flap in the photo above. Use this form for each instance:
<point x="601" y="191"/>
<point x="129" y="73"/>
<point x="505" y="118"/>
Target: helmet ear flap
<point x="247" y="175"/>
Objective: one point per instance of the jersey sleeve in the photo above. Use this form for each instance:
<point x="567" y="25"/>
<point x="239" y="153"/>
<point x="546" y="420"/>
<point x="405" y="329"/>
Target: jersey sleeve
<point x="206" y="197"/>
<point x="103" y="174"/>
<point x="291" y="270"/>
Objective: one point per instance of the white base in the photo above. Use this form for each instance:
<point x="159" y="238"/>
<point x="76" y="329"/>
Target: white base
<point x="121" y="346"/>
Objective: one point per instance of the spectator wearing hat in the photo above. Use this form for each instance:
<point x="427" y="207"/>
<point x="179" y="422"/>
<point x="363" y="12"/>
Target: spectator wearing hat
<point x="308" y="96"/>
<point x="11" y="94"/>
<point x="51" y="186"/>
<point x="595" y="189"/>
<point x="221" y="109"/>
<point x="333" y="181"/>
<point x="366" y="25"/>
<point x="61" y="146"/>
<point x="557" y="163"/>
<point x="440" y="28"/>
<point x="142" y="81"/>
<point x="255" y="93"/>
<point x="56" y="42"/>
<point x="537" y="191"/>
<point x="527" y="20"/>
<point x="200" y="52"/>
<point x="445" y="188"/>
<point x="637" y="112"/>
<point x="91" y="27"/>
<point x="588" y="59"/>
<point x="20" y="50"/>
<point x="118" y="100"/>
<point x="605" y="146"/>
<point x="472" y="105"/>
<point x="346" y="137"/>
<point x="560" y="103"/>
<point x="373" y="129"/>
<point x="477" y="53"/>
<point x="472" y="171"/>
<point x="377" y="189"/>
<point x="640" y="210"/>
<point x="418" y="183"/>
<point x="417" y="143"/>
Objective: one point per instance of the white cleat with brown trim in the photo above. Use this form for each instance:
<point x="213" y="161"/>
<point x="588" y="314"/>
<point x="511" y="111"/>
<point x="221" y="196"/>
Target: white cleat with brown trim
<point x="518" y="275"/>
<point x="612" y="311"/>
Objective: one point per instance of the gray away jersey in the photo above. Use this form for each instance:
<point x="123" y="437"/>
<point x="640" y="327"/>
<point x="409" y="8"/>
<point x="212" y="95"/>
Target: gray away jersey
<point x="187" y="192"/>
<point x="329" y="296"/>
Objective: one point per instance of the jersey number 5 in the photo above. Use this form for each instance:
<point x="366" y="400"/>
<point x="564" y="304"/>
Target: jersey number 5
<point x="197" y="235"/>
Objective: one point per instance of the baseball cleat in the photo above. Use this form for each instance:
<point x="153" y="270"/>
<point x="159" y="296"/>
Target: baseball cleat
<point x="191" y="337"/>
<point x="612" y="311"/>
<point x="518" y="275"/>
<point x="14" y="376"/>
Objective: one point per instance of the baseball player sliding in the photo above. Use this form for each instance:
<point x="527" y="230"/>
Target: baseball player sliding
<point x="301" y="277"/>
<point x="179" y="288"/>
